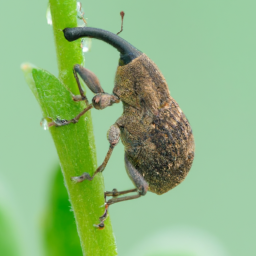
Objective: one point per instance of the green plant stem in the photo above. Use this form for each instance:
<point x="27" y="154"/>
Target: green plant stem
<point x="75" y="143"/>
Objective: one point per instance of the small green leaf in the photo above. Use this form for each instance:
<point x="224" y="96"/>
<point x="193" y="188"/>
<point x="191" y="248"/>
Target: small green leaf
<point x="27" y="70"/>
<point x="54" y="99"/>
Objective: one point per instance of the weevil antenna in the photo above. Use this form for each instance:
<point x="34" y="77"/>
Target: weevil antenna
<point x="127" y="51"/>
<point x="122" y="21"/>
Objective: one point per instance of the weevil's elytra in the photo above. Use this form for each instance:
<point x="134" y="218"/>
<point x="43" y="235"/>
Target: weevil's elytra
<point x="157" y="137"/>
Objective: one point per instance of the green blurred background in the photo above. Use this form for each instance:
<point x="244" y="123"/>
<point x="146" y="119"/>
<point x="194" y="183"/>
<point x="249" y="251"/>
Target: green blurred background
<point x="206" y="51"/>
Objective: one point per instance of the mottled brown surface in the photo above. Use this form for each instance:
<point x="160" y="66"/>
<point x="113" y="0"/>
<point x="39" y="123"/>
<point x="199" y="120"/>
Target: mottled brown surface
<point x="157" y="136"/>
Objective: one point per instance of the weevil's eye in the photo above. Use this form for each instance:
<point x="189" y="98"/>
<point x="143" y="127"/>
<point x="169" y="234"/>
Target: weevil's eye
<point x="125" y="59"/>
<point x="128" y="57"/>
<point x="121" y="62"/>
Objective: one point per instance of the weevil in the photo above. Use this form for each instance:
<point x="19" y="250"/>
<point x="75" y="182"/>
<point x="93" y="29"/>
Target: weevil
<point x="157" y="137"/>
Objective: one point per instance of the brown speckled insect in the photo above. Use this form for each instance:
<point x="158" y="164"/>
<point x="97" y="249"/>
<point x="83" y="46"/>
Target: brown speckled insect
<point x="158" y="140"/>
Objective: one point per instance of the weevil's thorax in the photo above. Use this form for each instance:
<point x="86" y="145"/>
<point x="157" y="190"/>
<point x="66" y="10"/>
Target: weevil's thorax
<point x="141" y="85"/>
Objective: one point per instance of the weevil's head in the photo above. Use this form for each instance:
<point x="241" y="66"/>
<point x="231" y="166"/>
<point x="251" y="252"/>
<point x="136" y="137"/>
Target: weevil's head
<point x="127" y="51"/>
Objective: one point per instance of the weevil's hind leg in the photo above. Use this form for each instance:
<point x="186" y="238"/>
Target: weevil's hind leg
<point x="116" y="193"/>
<point x="137" y="179"/>
<point x="141" y="188"/>
<point x="113" y="138"/>
<point x="113" y="193"/>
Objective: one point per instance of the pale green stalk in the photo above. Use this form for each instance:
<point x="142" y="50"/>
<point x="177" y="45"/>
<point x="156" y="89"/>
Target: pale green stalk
<point x="74" y="142"/>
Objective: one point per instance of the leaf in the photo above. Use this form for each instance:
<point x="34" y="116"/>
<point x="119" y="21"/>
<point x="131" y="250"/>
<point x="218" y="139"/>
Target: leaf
<point x="54" y="99"/>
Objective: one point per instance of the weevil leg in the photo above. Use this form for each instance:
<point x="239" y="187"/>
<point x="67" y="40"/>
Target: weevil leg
<point x="82" y="96"/>
<point x="100" y="101"/>
<point x="114" y="193"/>
<point x="112" y="201"/>
<point x="74" y="120"/>
<point x="141" y="188"/>
<point x="92" y="79"/>
<point x="89" y="78"/>
<point x="87" y="176"/>
<point x="137" y="179"/>
<point x="113" y="138"/>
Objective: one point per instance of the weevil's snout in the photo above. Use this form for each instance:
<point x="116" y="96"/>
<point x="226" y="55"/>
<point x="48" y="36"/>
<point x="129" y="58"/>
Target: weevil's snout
<point x="127" y="51"/>
<point x="70" y="34"/>
<point x="103" y="100"/>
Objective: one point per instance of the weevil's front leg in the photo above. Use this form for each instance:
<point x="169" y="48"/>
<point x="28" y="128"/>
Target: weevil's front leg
<point x="82" y="96"/>
<point x="100" y="101"/>
<point x="113" y="138"/>
<point x="90" y="80"/>
<point x="61" y="122"/>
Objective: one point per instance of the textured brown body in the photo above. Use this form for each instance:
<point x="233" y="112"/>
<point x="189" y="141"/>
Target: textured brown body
<point x="156" y="134"/>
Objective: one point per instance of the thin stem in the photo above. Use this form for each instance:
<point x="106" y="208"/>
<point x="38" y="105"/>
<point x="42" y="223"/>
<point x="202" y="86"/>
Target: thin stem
<point x="87" y="197"/>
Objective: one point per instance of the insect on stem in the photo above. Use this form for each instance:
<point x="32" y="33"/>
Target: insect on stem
<point x="152" y="124"/>
<point x="122" y="19"/>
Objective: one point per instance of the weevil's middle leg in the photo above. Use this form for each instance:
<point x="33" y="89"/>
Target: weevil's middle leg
<point x="113" y="138"/>
<point x="87" y="176"/>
